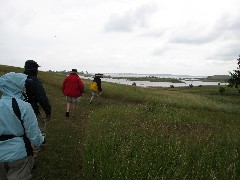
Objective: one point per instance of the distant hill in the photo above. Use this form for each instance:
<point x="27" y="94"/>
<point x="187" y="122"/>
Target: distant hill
<point x="220" y="78"/>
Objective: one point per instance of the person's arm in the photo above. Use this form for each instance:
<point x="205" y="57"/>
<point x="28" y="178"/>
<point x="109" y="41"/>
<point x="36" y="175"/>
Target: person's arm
<point x="30" y="124"/>
<point x="42" y="97"/>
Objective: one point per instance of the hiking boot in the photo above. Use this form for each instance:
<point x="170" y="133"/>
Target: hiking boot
<point x="34" y="166"/>
<point x="67" y="114"/>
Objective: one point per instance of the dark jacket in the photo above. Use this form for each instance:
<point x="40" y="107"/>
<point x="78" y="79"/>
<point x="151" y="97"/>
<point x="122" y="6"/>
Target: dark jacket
<point x="99" y="83"/>
<point x="36" y="94"/>
<point x="34" y="88"/>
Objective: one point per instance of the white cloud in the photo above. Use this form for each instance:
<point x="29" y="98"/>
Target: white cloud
<point x="141" y="36"/>
<point x="132" y="18"/>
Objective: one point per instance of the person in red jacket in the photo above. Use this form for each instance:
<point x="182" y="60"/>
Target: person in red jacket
<point x="72" y="88"/>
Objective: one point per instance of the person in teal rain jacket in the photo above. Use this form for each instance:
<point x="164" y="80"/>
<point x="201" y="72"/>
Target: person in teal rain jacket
<point x="18" y="129"/>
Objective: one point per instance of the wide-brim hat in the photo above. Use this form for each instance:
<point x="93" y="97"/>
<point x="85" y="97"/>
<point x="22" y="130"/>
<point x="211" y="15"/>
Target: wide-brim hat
<point x="98" y="75"/>
<point x="74" y="71"/>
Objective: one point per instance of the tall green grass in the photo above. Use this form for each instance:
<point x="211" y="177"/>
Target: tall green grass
<point x="142" y="133"/>
<point x="151" y="140"/>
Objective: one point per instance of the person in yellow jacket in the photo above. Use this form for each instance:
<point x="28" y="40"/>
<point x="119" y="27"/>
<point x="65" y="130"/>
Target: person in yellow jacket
<point x="95" y="87"/>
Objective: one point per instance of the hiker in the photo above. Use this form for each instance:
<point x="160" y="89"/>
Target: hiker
<point x="95" y="87"/>
<point x="36" y="94"/>
<point x="72" y="88"/>
<point x="18" y="129"/>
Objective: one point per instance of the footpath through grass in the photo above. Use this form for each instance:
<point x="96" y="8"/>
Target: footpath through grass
<point x="142" y="133"/>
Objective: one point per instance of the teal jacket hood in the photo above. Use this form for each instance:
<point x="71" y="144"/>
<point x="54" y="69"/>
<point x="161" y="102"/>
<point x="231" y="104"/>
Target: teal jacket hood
<point x="13" y="84"/>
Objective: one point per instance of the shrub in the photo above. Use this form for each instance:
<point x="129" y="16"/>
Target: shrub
<point x="235" y="76"/>
<point x="221" y="90"/>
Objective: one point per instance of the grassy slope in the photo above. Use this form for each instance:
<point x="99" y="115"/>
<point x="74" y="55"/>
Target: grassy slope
<point x="132" y="132"/>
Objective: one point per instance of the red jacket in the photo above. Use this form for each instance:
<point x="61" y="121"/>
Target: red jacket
<point x="73" y="86"/>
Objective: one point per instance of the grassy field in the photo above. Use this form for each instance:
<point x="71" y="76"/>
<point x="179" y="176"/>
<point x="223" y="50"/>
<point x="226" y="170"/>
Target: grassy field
<point x="142" y="133"/>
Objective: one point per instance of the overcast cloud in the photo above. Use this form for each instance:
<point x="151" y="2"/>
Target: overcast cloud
<point x="126" y="36"/>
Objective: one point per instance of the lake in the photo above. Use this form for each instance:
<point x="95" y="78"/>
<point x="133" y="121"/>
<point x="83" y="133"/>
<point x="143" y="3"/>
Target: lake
<point x="188" y="80"/>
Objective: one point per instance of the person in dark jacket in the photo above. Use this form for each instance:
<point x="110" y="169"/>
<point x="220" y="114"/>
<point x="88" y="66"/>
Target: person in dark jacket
<point x="36" y="94"/>
<point x="95" y="87"/>
<point x="72" y="88"/>
<point x="98" y="80"/>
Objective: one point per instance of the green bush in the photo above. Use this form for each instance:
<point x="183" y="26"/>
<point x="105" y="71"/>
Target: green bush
<point x="221" y="90"/>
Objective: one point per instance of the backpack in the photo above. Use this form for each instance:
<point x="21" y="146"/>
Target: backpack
<point x="93" y="87"/>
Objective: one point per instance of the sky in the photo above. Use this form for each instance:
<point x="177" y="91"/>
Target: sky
<point x="179" y="37"/>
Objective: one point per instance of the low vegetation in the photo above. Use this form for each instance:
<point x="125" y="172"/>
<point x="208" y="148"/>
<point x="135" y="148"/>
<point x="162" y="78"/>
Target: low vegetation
<point x="142" y="133"/>
<point x="217" y="78"/>
<point x="151" y="79"/>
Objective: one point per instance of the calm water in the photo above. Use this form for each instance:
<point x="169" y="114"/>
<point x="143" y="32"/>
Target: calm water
<point x="190" y="80"/>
